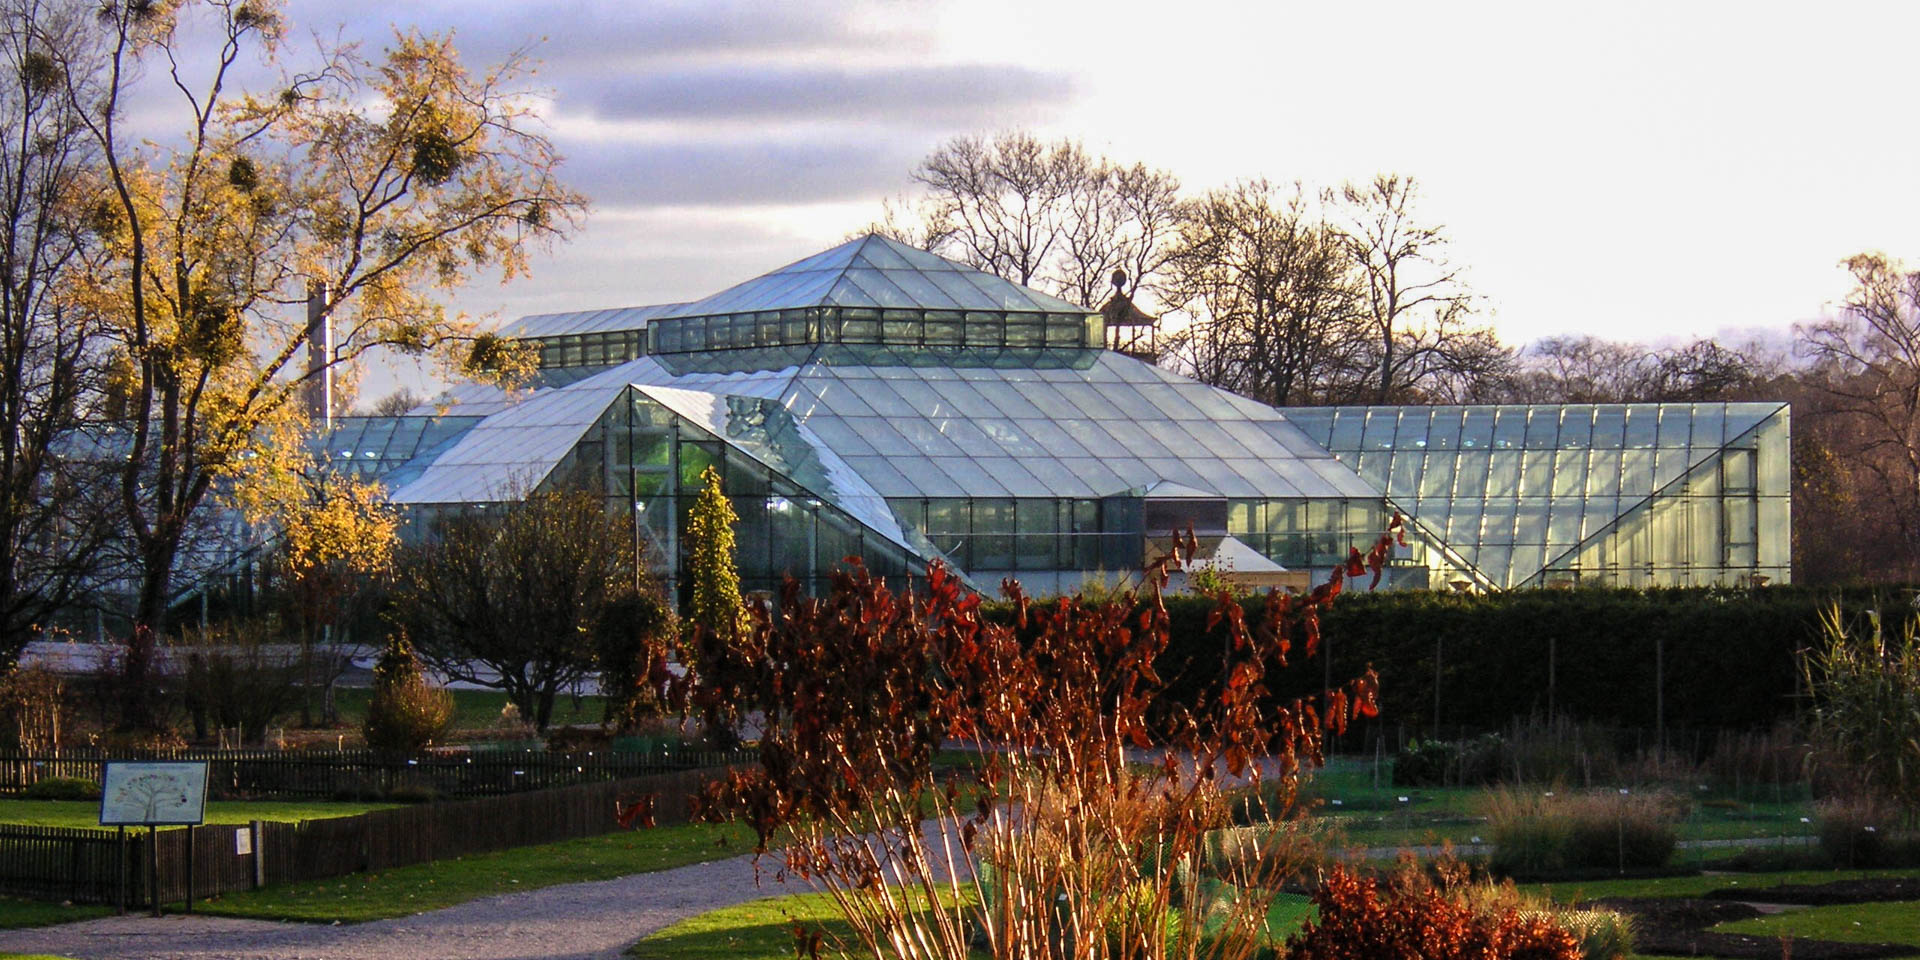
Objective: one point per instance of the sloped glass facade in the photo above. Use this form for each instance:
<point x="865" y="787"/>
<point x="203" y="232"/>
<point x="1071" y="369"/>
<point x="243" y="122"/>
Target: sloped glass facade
<point x="1629" y="494"/>
<point x="648" y="461"/>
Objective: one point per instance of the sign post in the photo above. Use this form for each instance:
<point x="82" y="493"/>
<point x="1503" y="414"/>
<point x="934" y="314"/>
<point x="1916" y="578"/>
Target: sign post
<point x="155" y="794"/>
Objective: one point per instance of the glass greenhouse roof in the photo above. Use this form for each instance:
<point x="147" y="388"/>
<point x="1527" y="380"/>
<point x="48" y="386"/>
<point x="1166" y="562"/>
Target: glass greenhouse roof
<point x="874" y="272"/>
<point x="585" y="321"/>
<point x="1088" y="424"/>
<point x="1510" y="488"/>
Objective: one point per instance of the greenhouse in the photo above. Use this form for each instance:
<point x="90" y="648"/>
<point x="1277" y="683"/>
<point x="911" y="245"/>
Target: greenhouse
<point x="876" y="400"/>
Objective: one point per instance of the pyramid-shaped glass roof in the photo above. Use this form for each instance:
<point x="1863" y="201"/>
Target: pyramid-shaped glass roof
<point x="875" y="272"/>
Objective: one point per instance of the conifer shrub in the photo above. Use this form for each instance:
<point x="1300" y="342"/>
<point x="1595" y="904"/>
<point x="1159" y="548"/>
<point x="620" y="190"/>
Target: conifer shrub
<point x="406" y="712"/>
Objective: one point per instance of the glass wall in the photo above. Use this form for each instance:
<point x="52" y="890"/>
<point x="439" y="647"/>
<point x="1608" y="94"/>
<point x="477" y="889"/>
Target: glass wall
<point x="1630" y="493"/>
<point x="589" y="349"/>
<point x="906" y="327"/>
<point x="648" y="462"/>
<point x="995" y="535"/>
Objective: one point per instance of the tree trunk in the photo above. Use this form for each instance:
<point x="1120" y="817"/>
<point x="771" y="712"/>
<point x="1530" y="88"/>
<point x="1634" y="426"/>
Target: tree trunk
<point x="139" y="694"/>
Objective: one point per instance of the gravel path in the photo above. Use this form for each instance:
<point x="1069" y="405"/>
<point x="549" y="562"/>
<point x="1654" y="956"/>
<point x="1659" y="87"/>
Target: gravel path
<point x="568" y="922"/>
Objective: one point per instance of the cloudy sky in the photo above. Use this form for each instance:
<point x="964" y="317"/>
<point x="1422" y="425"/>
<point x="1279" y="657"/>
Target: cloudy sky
<point x="1634" y="170"/>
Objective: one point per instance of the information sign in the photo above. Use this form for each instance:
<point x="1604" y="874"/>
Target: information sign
<point x="153" y="793"/>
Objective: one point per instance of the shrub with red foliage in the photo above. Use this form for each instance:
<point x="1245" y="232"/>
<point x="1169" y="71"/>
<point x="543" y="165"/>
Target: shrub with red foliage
<point x="1087" y="786"/>
<point x="1405" y="919"/>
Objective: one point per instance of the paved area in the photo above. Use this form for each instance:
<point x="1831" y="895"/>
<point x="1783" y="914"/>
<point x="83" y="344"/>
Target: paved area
<point x="568" y="922"/>
<point x="580" y="921"/>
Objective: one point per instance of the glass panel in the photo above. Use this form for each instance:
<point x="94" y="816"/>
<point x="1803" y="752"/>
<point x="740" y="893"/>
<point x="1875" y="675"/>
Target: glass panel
<point x="1609" y="426"/>
<point x="1503" y="473"/>
<point x="1603" y="476"/>
<point x="1346" y="430"/>
<point x="1543" y="428"/>
<point x="1476" y="429"/>
<point x="1676" y="425"/>
<point x="1437" y="479"/>
<point x="1411" y="434"/>
<point x="1381" y="425"/>
<point x="1569" y="473"/>
<point x="1736" y="470"/>
<point x="1509" y="427"/>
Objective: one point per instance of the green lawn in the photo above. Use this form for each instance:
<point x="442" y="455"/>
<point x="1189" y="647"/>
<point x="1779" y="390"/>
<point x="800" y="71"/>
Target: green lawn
<point x="16" y="913"/>
<point x="86" y="813"/>
<point x="763" y="929"/>
<point x="757" y="930"/>
<point x="443" y="883"/>
<point x="1373" y="816"/>
<point x="475" y="709"/>
<point x="1694" y="886"/>
<point x="1858" y="922"/>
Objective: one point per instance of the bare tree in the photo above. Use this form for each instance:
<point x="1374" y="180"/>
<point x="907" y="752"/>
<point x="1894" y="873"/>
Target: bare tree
<point x="1270" y="299"/>
<point x="1416" y="304"/>
<point x="397" y="403"/>
<point x="520" y="599"/>
<point x="1588" y="369"/>
<point x="1046" y="215"/>
<point x="52" y="356"/>
<point x="1866" y="365"/>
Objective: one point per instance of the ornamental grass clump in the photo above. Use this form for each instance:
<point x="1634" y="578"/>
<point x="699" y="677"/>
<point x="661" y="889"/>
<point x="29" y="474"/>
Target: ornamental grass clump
<point x="1536" y="832"/>
<point x="1080" y="828"/>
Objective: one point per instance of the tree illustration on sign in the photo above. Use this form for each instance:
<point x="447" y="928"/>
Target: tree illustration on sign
<point x="148" y="792"/>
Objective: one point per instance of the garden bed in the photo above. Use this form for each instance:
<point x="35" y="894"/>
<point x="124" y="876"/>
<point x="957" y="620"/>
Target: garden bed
<point x="1683" y="925"/>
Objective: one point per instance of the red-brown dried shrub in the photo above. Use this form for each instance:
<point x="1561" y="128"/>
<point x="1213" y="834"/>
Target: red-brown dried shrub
<point x="1086" y="799"/>
<point x="1406" y="918"/>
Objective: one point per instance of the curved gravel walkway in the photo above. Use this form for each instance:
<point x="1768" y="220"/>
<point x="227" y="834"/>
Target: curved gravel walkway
<point x="574" y="921"/>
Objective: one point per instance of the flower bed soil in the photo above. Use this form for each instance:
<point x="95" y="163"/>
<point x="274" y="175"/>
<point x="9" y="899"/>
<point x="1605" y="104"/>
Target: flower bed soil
<point x="1678" y="925"/>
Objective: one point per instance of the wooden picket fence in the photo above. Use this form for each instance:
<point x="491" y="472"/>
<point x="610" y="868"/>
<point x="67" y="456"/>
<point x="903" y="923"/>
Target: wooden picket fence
<point x="368" y="774"/>
<point x="103" y="866"/>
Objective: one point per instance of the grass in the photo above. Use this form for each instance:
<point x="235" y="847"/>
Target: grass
<point x="1694" y="886"/>
<point x="1373" y="816"/>
<point x="1853" y="922"/>
<point x="31" y="956"/>
<point x="16" y="913"/>
<point x="756" y="930"/>
<point x="763" y="929"/>
<point x="443" y="883"/>
<point x="475" y="709"/>
<point x="86" y="813"/>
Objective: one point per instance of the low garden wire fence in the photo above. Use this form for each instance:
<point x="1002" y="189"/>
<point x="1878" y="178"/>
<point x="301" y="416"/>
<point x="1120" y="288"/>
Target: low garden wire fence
<point x="107" y="866"/>
<point x="376" y="775"/>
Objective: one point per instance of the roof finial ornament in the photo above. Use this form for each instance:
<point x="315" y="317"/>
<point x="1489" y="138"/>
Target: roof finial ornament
<point x="1119" y="280"/>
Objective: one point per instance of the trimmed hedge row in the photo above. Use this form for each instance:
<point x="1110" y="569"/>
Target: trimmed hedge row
<point x="1729" y="655"/>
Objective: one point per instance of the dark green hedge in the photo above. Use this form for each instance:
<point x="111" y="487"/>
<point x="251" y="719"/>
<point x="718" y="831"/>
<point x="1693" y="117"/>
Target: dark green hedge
<point x="1729" y="654"/>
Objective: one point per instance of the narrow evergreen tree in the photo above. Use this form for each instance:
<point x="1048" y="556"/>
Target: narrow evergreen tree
<point x="717" y="608"/>
<point x="716" y="614"/>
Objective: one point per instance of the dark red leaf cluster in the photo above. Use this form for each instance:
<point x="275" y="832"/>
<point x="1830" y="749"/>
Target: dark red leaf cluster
<point x="858" y="689"/>
<point x="1363" y="919"/>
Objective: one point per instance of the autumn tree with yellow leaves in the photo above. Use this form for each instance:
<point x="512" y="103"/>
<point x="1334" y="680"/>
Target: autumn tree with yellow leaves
<point x="373" y="184"/>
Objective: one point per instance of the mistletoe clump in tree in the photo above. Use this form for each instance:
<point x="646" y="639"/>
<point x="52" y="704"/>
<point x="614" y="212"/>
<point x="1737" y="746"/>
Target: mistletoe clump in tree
<point x="365" y="187"/>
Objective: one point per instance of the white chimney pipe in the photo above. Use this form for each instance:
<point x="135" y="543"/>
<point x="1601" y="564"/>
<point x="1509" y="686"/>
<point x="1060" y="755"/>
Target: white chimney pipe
<point x="319" y="386"/>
